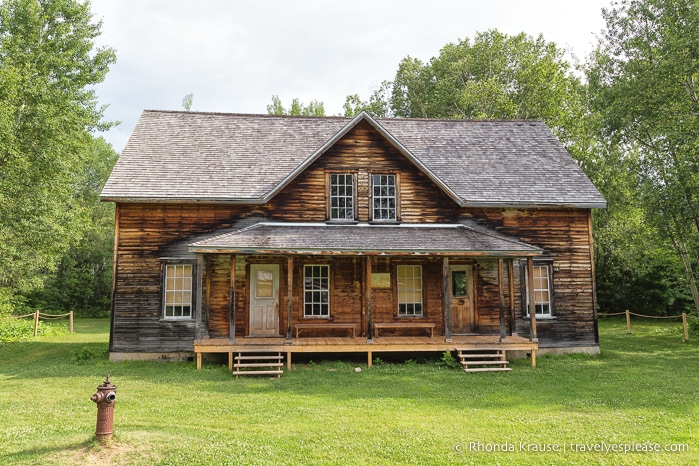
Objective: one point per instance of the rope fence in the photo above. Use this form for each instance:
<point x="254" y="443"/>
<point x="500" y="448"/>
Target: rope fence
<point x="40" y="315"/>
<point x="628" y="314"/>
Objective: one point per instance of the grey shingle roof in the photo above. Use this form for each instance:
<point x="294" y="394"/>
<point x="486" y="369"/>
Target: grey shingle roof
<point x="272" y="238"/>
<point x="188" y="156"/>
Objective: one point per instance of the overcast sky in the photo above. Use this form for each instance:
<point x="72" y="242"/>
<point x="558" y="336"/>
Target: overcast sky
<point x="235" y="55"/>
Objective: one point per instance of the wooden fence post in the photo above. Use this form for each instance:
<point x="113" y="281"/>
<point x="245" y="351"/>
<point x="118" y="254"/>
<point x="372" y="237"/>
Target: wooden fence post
<point x="686" y="330"/>
<point x="628" y="322"/>
<point x="36" y="322"/>
<point x="70" y="316"/>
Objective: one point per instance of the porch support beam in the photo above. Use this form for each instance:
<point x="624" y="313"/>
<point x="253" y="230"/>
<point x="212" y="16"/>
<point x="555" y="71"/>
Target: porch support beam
<point x="289" y="296"/>
<point x="231" y="324"/>
<point x="367" y="296"/>
<point x="446" y="296"/>
<point x="532" y="304"/>
<point x="501" y="300"/>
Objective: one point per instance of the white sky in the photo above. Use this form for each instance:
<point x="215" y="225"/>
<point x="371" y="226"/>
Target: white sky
<point x="234" y="55"/>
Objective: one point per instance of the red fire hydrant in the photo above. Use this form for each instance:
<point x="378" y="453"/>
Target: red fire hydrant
<point x="105" y="399"/>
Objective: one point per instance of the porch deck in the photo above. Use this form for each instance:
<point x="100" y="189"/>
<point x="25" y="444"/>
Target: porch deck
<point x="361" y="345"/>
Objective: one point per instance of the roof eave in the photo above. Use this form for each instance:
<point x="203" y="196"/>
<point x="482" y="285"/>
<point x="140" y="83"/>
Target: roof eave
<point x="535" y="204"/>
<point x="180" y="200"/>
<point x="365" y="252"/>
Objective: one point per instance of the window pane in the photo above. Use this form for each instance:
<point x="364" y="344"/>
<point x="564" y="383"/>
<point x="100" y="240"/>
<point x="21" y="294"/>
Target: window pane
<point x="178" y="291"/>
<point x="264" y="288"/>
<point x="541" y="291"/>
<point x="384" y="197"/>
<point x="409" y="290"/>
<point x="341" y="197"/>
<point x="316" y="290"/>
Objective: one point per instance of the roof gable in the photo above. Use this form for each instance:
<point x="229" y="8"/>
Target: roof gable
<point x="363" y="116"/>
<point x="210" y="157"/>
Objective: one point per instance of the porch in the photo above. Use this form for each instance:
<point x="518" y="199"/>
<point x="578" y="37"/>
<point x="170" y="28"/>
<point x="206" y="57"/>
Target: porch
<point x="384" y="344"/>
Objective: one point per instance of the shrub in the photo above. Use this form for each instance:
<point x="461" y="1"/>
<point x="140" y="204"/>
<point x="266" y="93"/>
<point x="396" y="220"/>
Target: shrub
<point x="20" y="329"/>
<point x="448" y="360"/>
<point x="693" y="324"/>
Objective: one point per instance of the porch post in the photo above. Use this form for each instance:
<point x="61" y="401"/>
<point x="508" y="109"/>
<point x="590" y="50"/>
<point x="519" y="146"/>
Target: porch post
<point x="231" y="324"/>
<point x="501" y="299"/>
<point x="446" y="299"/>
<point x="369" y="313"/>
<point x="289" y="295"/>
<point x="530" y="293"/>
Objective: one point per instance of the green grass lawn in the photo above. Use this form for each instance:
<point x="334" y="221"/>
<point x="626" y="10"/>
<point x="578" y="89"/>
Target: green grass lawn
<point x="642" y="392"/>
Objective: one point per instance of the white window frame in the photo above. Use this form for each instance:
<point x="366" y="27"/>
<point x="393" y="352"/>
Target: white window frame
<point x="178" y="291"/>
<point x="409" y="288"/>
<point x="341" y="202"/>
<point x="316" y="294"/>
<point x="542" y="289"/>
<point x="384" y="201"/>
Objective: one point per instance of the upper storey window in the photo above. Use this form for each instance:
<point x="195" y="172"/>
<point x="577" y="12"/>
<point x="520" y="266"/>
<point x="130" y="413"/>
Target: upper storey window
<point x="384" y="197"/>
<point x="342" y="196"/>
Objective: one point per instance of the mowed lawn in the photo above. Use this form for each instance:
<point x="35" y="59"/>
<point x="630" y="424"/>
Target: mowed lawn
<point x="642" y="393"/>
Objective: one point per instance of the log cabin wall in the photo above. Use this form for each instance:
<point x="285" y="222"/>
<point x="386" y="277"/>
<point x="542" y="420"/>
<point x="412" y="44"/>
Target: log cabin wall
<point x="565" y="235"/>
<point x="144" y="231"/>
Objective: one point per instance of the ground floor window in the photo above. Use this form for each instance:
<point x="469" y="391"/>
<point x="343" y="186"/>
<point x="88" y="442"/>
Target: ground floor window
<point x="178" y="291"/>
<point x="542" y="290"/>
<point x="409" y="290"/>
<point x="316" y="291"/>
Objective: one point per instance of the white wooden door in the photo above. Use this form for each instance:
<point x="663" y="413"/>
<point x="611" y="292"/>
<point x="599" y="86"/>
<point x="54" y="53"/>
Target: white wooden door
<point x="264" y="300"/>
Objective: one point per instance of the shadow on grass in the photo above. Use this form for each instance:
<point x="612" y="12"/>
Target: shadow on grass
<point x="33" y="453"/>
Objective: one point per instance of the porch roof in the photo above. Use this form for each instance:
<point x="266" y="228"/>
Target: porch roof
<point x="368" y="239"/>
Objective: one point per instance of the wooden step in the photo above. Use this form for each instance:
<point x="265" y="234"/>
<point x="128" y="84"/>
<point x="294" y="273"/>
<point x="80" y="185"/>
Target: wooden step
<point x="477" y="363"/>
<point x="260" y="358"/>
<point x="277" y="373"/>
<point x="260" y="364"/>
<point x="487" y="360"/>
<point x="255" y="363"/>
<point x="484" y="356"/>
<point x="487" y="369"/>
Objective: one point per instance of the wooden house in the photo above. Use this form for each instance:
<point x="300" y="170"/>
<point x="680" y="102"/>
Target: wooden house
<point x="303" y="234"/>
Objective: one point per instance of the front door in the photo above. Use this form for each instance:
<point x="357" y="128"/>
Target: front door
<point x="463" y="316"/>
<point x="264" y="300"/>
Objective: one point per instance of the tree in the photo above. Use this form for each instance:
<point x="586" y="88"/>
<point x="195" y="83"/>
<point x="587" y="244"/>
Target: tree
<point x="314" y="108"/>
<point x="644" y="78"/>
<point x="377" y="106"/>
<point x="82" y="281"/>
<point x="48" y="108"/>
<point x="187" y="101"/>
<point x="496" y="76"/>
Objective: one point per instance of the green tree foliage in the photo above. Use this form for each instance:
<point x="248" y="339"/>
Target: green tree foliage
<point x="297" y="108"/>
<point x="48" y="65"/>
<point x="378" y="105"/>
<point x="83" y="280"/>
<point x="495" y="76"/>
<point x="644" y="79"/>
<point x="187" y="102"/>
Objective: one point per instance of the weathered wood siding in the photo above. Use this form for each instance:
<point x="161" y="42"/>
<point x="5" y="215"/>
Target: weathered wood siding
<point x="146" y="234"/>
<point x="565" y="235"/>
<point x="143" y="231"/>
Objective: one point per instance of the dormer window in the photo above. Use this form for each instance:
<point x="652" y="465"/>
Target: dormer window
<point x="341" y="197"/>
<point x="384" y="195"/>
